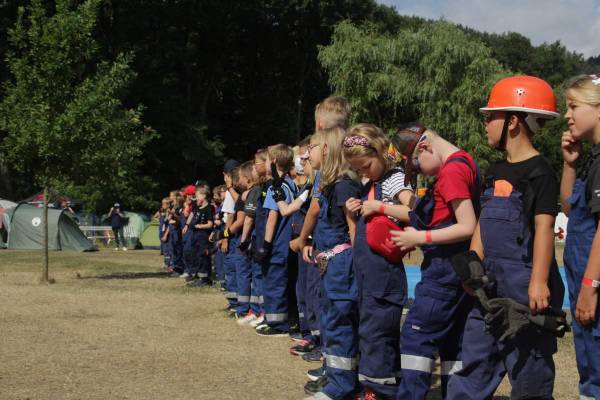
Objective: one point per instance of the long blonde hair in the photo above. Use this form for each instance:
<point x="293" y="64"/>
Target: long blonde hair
<point x="585" y="89"/>
<point x="378" y="145"/>
<point x="333" y="165"/>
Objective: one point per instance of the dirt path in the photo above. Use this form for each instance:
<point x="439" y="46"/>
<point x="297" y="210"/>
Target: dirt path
<point x="114" y="327"/>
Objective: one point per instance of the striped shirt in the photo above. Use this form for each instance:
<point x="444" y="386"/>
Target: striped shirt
<point x="393" y="185"/>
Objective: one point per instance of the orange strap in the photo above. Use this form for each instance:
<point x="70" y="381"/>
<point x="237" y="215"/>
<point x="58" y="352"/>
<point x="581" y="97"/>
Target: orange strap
<point x="371" y="195"/>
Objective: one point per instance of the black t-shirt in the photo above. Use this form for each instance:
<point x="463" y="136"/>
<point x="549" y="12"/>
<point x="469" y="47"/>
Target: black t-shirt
<point x="252" y="201"/>
<point x="545" y="187"/>
<point x="592" y="183"/>
<point x="116" y="221"/>
<point x="203" y="215"/>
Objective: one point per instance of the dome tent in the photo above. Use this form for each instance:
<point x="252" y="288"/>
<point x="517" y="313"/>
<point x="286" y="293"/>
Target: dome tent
<point x="150" y="239"/>
<point x="26" y="230"/>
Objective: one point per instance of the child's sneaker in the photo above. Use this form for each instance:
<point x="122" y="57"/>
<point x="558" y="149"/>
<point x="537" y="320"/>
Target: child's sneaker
<point x="313" y="387"/>
<point x="314" y="374"/>
<point x="303" y="347"/>
<point x="247" y="319"/>
<point x="296" y="336"/>
<point x="272" y="332"/>
<point x="313" y="356"/>
<point x="258" y="321"/>
<point x="185" y="275"/>
<point x="124" y="248"/>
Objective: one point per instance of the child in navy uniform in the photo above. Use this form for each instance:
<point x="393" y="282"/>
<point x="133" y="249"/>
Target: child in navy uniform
<point x="515" y="239"/>
<point x="442" y="223"/>
<point x="382" y="284"/>
<point x="580" y="197"/>
<point x="332" y="250"/>
<point x="273" y="250"/>
<point x="200" y="222"/>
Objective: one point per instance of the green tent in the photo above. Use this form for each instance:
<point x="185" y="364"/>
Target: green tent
<point x="26" y="230"/>
<point x="135" y="224"/>
<point x="150" y="238"/>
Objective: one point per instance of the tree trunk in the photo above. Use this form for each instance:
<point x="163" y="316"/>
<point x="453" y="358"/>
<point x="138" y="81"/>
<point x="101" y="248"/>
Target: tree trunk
<point x="45" y="239"/>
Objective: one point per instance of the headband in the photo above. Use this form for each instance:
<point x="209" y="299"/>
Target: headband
<point x="351" y="141"/>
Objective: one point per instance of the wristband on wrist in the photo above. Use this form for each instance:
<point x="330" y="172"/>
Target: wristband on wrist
<point x="382" y="208"/>
<point x="428" y="238"/>
<point x="303" y="196"/>
<point x="590" y="282"/>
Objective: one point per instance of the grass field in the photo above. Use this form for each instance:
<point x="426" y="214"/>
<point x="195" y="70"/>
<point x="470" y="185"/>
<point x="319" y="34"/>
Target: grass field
<point x="113" y="326"/>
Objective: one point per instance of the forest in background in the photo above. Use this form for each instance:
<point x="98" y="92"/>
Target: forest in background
<point x="106" y="100"/>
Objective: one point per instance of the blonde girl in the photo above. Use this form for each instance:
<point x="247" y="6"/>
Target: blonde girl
<point x="580" y="199"/>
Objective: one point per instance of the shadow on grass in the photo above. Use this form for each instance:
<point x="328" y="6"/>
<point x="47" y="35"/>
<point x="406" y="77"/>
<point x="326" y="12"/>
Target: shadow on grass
<point x="127" y="275"/>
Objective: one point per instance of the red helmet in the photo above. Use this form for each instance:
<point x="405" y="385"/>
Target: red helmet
<point x="526" y="94"/>
<point x="189" y="190"/>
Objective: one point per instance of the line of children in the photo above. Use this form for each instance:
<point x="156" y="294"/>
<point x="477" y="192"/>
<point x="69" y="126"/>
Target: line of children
<point x="360" y="235"/>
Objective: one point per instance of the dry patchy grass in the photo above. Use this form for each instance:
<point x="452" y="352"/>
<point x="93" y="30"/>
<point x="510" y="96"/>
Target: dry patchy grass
<point x="114" y="327"/>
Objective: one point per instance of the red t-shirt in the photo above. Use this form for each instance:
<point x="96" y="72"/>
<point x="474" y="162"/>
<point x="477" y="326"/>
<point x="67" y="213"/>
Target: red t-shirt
<point x="454" y="181"/>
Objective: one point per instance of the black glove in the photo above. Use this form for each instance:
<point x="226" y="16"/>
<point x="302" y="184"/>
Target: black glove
<point x="277" y="181"/>
<point x="469" y="268"/>
<point x="506" y="318"/>
<point x="243" y="246"/>
<point x="263" y="253"/>
<point x="279" y="194"/>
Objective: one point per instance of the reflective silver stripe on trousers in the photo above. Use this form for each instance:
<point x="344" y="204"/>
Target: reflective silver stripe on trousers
<point x="301" y="315"/>
<point x="338" y="362"/>
<point x="244" y="299"/>
<point x="231" y="295"/>
<point x="276" y="317"/>
<point x="451" y="367"/>
<point x="417" y="363"/>
<point x="382" y="381"/>
<point x="261" y="300"/>
<point x="254" y="299"/>
<point x="316" y="333"/>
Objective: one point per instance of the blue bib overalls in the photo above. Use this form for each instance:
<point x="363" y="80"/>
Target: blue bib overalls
<point x="301" y="282"/>
<point x="174" y="247"/>
<point x="508" y="246"/>
<point x="275" y="272"/>
<point x="339" y="314"/>
<point x="195" y="244"/>
<point x="434" y="324"/>
<point x="581" y="230"/>
<point x="164" y="249"/>
<point x="382" y="293"/>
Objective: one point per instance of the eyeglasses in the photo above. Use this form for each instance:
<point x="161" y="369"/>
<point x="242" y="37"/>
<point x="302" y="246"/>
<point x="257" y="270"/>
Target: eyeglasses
<point x="310" y="147"/>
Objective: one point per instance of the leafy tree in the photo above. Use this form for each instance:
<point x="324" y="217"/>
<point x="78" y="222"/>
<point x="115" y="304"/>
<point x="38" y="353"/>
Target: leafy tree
<point x="62" y="119"/>
<point x="436" y="74"/>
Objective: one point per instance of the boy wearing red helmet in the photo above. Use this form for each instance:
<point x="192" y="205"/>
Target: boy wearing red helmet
<point x="515" y="240"/>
